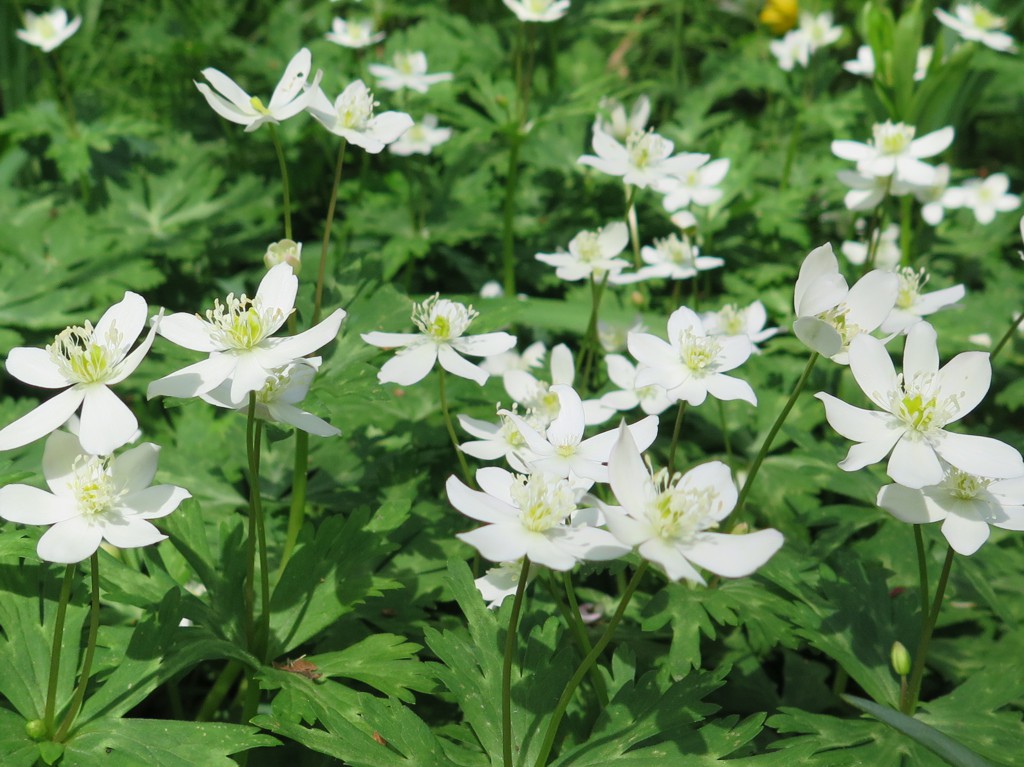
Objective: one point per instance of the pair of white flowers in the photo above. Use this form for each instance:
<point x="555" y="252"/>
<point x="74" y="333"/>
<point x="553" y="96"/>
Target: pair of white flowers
<point x="815" y="31"/>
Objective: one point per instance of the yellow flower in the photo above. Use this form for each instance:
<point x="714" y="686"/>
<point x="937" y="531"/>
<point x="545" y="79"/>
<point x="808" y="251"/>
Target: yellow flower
<point x="779" y="15"/>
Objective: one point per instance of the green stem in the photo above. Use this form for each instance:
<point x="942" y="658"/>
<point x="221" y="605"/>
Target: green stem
<point x="675" y="437"/>
<point x="922" y="569"/>
<point x="584" y="667"/>
<point x="1006" y="336"/>
<point x="55" y="652"/>
<point x="263" y="635"/>
<point x="284" y="183"/>
<point x="600" y="689"/>
<point x="917" y="671"/>
<point x="508" y="253"/>
<point x="874" y="230"/>
<point x="591" y="342"/>
<point x="727" y="442"/>
<point x="451" y="427"/>
<point x="90" y="651"/>
<point x="906" y="229"/>
<point x="631" y="222"/>
<point x="328" y="224"/>
<point x="257" y="538"/>
<point x="755" y="467"/>
<point x="221" y="687"/>
<point x="506" y="668"/>
<point x="297" y="510"/>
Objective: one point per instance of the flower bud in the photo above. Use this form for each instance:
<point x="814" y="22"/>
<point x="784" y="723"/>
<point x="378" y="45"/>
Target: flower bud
<point x="900" y="659"/>
<point x="285" y="251"/>
<point x="36" y="729"/>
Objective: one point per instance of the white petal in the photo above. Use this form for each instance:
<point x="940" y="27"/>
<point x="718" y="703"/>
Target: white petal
<point x="965" y="379"/>
<point x="479" y="506"/>
<point x="568" y="426"/>
<point x="189" y="331"/>
<point x="228" y="87"/>
<point x="248" y="376"/>
<point x="497" y="483"/>
<point x="727" y="388"/>
<point x="932" y="143"/>
<point x="44" y="419"/>
<point x="983" y="456"/>
<point x="131" y="533"/>
<point x="562" y="369"/>
<point x="134" y="469"/>
<point x="628" y="475"/>
<point x="107" y="423"/>
<point x="497" y="543"/>
<point x="195" y="379"/>
<point x="671" y="559"/>
<point x="965" y="536"/>
<point x="60" y="453"/>
<point x="872" y="368"/>
<point x="734" y="556"/>
<point x="35" y="367"/>
<point x="484" y="345"/>
<point x="223" y="107"/>
<point x="818" y="336"/>
<point x="282" y="412"/>
<point x="154" y="502"/>
<point x="32" y="506"/>
<point x="458" y="365"/>
<point x="69" y="541"/>
<point x="310" y="340"/>
<point x="391" y="340"/>
<point x="292" y="80"/>
<point x="908" y="505"/>
<point x="921" y="353"/>
<point x="872" y="298"/>
<point x="128" y="317"/>
<point x="277" y="289"/>
<point x="128" y="364"/>
<point x="914" y="464"/>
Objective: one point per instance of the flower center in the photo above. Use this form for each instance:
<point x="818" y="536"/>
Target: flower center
<point x="914" y="403"/>
<point x="404" y="63"/>
<point x="678" y="512"/>
<point x="836" y="317"/>
<point x="893" y="138"/>
<point x="911" y="283"/>
<point x="45" y="28"/>
<point x="542" y="503"/>
<point x="679" y="252"/>
<point x="240" y="324"/>
<point x="93" y="486"/>
<point x="83" y="358"/>
<point x="587" y="247"/>
<point x="984" y="19"/>
<point x="538" y="6"/>
<point x="646" y="149"/>
<point x="962" y="485"/>
<point x="732" y="321"/>
<point x="355" y="107"/>
<point x="442" y="319"/>
<point x="698" y="353"/>
<point x="256" y="104"/>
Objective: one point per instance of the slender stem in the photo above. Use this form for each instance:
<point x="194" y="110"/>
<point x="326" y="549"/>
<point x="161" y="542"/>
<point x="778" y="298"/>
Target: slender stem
<point x="284" y="183"/>
<point x="675" y="437"/>
<point x="755" y="467"/>
<point x="506" y="668"/>
<point x="600" y="689"/>
<point x="220" y="689"/>
<point x="922" y="569"/>
<point x="917" y="671"/>
<point x="906" y="229"/>
<point x="328" y="223"/>
<point x="451" y="427"/>
<point x="263" y="634"/>
<point x="631" y="222"/>
<point x="508" y="244"/>
<point x="584" y="667"/>
<point x="90" y="651"/>
<point x="1006" y="336"/>
<point x="297" y="510"/>
<point x="591" y="343"/>
<point x="58" y="641"/>
<point x="257" y="538"/>
<point x="250" y="541"/>
<point x="727" y="442"/>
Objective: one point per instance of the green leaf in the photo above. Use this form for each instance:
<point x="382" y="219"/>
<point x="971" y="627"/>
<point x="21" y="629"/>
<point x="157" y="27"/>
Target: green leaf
<point x="383" y="661"/>
<point x="929" y="737"/>
<point x="17" y="748"/>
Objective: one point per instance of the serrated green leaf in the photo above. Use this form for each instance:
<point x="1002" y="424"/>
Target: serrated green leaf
<point x="383" y="661"/>
<point x="16" y="747"/>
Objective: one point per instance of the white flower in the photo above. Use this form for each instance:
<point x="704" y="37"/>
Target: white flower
<point x="290" y="96"/>
<point x="912" y="304"/>
<point x="540" y="401"/>
<point x="494" y="441"/>
<point x="974" y="21"/>
<point x="613" y="120"/>
<point x="819" y="30"/>
<point x="442" y="324"/>
<point x="672" y="258"/>
<point x="237" y="336"/>
<point x="918" y="405"/>
<point x="351" y="117"/>
<point x="830" y="314"/>
<point x="88" y="359"/>
<point x="864" y="64"/>
<point x="749" y="321"/>
<point x="669" y="518"/>
<point x="353" y="34"/>
<point x="645" y="160"/>
<point x="692" y="364"/>
<point x="652" y="399"/>
<point x="538" y="10"/>
<point x="501" y="581"/>
<point x="985" y="197"/>
<point x="48" y="30"/>
<point x="937" y="197"/>
<point x="529" y="516"/>
<point x="887" y="249"/>
<point x="409" y="71"/>
<point x="276" y="401"/>
<point x="613" y="336"/>
<point x="561" y="450"/>
<point x="421" y="138"/>
<point x="591" y="254"/>
<point x="532" y="356"/>
<point x="893" y="151"/>
<point x="966" y="504"/>
<point x="699" y="186"/>
<point x="867" y="191"/>
<point x="284" y="252"/>
<point x="91" y="499"/>
<point x="794" y="48"/>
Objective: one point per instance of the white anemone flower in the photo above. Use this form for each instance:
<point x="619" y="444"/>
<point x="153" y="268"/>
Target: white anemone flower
<point x="421" y="138"/>
<point x="669" y="518"/>
<point x="290" y="97"/>
<point x="48" y="30"/>
<point x="537" y="397"/>
<point x="652" y="399"/>
<point x="893" y="151"/>
<point x="613" y="120"/>
<point x="353" y="33"/>
<point x="532" y="357"/>
<point x="867" y="191"/>
<point x="544" y="11"/>
<point x="88" y="359"/>
<point x="237" y="336"/>
<point x="442" y="324"/>
<point x="792" y="49"/>
<point x="644" y="160"/>
<point x="591" y="254"/>
<point x="500" y="440"/>
<point x="918" y="404"/>
<point x="277" y="400"/>
<point x="732" y="320"/>
<point x="697" y="187"/>
<point x="912" y="303"/>
<point x="829" y="313"/>
<point x="887" y="248"/>
<point x="966" y="504"/>
<point x="938" y="197"/>
<point x="692" y="364"/>
<point x="501" y="582"/>
<point x="672" y="258"/>
<point x="973" y="21"/>
<point x="529" y="516"/>
<point x="351" y="116"/>
<point x="985" y="197"/>
<point x="819" y="29"/>
<point x="92" y="499"/>
<point x="561" y="449"/>
<point x="409" y="71"/>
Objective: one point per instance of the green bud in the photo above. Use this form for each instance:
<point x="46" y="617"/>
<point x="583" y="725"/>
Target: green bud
<point x="36" y="729"/>
<point x="900" y="659"/>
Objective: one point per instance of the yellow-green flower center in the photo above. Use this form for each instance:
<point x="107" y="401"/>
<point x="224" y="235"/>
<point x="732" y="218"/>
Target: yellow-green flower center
<point x="256" y="104"/>
<point x="911" y="283"/>
<point x="542" y="503"/>
<point x="732" y="321"/>
<point x="698" y="353"/>
<point x="93" y="486"/>
<point x="679" y="251"/>
<point x="240" y="324"/>
<point x="837" y="318"/>
<point x="679" y="512"/>
<point x="984" y="19"/>
<point x="645" y="148"/>
<point x="81" y="357"/>
<point x="441" y="319"/>
<point x="964" y="486"/>
<point x="587" y="247"/>
<point x="918" y="407"/>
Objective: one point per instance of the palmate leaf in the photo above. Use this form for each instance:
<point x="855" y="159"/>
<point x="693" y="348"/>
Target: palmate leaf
<point x="17" y="749"/>
<point x="383" y="661"/>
